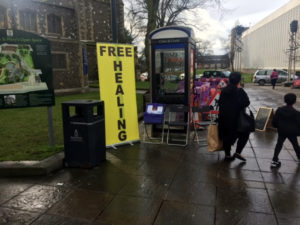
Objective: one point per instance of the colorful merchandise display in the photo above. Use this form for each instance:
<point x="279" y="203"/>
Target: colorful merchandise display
<point x="207" y="93"/>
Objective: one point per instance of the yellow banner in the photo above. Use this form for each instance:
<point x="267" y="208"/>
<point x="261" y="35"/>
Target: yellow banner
<point x="117" y="90"/>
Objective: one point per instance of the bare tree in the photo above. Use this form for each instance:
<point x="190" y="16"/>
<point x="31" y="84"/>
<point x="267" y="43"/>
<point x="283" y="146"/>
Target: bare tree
<point x="153" y="14"/>
<point x="204" y="47"/>
<point x="132" y="23"/>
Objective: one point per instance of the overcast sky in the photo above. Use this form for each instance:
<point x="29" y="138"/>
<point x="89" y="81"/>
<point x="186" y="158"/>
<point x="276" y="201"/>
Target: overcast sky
<point x="244" y="12"/>
<point x="214" y="25"/>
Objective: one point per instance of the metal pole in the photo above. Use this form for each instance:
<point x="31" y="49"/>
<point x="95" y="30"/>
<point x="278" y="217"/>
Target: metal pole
<point x="50" y="124"/>
<point x="290" y="57"/>
<point x="294" y="55"/>
<point x="290" y="66"/>
<point x="114" y="20"/>
<point x="240" y="58"/>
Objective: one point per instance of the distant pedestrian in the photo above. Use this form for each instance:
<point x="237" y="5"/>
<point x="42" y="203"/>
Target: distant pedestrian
<point x="287" y="122"/>
<point x="232" y="101"/>
<point x="274" y="78"/>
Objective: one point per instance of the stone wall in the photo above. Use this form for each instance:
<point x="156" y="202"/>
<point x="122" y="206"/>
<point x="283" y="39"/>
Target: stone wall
<point x="102" y="20"/>
<point x="84" y="21"/>
<point x="92" y="63"/>
<point x="69" y="77"/>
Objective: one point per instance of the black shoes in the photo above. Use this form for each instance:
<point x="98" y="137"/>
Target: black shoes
<point x="235" y="155"/>
<point x="238" y="156"/>
<point x="275" y="164"/>
<point x="229" y="158"/>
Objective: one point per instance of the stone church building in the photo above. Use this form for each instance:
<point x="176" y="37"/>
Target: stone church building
<point x="72" y="26"/>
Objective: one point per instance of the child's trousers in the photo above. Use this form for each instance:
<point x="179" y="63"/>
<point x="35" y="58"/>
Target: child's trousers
<point x="280" y="141"/>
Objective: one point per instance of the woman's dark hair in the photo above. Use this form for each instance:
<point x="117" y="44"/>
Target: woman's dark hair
<point x="290" y="99"/>
<point x="235" y="78"/>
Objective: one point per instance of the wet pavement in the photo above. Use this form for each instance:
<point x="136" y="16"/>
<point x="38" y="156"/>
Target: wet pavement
<point x="166" y="185"/>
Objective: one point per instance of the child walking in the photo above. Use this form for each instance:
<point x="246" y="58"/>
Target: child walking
<point x="287" y="122"/>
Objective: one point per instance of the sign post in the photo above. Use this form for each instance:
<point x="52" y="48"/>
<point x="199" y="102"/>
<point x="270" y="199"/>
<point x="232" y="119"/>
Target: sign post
<point x="50" y="124"/>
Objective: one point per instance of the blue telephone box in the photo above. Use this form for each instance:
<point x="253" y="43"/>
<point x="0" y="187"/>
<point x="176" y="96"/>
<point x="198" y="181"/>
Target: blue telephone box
<point x="172" y="64"/>
<point x="172" y="71"/>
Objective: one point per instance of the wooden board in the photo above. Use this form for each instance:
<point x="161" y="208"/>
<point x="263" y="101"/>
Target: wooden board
<point x="263" y="118"/>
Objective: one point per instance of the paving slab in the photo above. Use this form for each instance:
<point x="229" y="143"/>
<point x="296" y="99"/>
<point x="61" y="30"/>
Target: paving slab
<point x="176" y="213"/>
<point x="227" y="216"/>
<point x="125" y="210"/>
<point x="82" y="204"/>
<point x="13" y="216"/>
<point x="60" y="220"/>
<point x="37" y="198"/>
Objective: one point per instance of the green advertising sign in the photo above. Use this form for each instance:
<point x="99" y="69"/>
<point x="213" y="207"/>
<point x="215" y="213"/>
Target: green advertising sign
<point x="25" y="70"/>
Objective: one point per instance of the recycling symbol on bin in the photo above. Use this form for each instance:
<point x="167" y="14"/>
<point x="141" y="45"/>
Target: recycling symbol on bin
<point x="76" y="133"/>
<point x="76" y="136"/>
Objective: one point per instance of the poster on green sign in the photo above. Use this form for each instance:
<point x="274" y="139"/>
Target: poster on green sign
<point x="25" y="70"/>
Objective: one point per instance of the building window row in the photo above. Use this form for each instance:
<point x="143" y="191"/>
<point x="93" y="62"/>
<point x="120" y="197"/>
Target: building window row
<point x="28" y="21"/>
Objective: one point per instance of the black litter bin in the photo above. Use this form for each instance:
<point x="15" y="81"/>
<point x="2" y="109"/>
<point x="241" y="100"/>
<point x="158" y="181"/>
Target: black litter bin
<point x="84" y="133"/>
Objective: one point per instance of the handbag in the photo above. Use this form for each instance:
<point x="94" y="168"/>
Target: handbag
<point x="246" y="122"/>
<point x="214" y="143"/>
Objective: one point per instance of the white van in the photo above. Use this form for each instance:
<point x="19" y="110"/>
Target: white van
<point x="262" y="77"/>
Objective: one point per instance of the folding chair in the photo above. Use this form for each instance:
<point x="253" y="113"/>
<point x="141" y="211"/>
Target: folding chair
<point x="178" y="118"/>
<point x="205" y="120"/>
<point x="154" y="115"/>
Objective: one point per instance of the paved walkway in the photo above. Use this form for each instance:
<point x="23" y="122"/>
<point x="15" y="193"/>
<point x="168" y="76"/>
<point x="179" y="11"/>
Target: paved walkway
<point x="149" y="184"/>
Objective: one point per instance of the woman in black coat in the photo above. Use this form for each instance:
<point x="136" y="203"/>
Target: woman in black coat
<point x="232" y="101"/>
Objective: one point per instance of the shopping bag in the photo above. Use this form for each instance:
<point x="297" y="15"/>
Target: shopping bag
<point x="213" y="141"/>
<point x="246" y="122"/>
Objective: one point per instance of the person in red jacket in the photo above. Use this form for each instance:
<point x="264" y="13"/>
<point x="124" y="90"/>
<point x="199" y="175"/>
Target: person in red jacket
<point x="274" y="78"/>
<point x="287" y="122"/>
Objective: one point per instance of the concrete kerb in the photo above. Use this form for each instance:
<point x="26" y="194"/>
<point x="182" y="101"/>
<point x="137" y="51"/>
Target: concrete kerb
<point x="32" y="168"/>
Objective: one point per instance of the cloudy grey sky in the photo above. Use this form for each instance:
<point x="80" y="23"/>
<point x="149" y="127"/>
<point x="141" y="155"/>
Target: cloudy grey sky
<point x="218" y="23"/>
<point x="215" y="24"/>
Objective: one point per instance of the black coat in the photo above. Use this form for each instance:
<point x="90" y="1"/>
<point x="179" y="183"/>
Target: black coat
<point x="287" y="121"/>
<point x="232" y="101"/>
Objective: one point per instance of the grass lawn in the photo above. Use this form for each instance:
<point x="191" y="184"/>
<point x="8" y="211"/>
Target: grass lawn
<point x="24" y="132"/>
<point x="247" y="77"/>
<point x="142" y="85"/>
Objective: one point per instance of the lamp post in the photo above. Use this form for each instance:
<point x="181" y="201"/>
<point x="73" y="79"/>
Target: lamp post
<point x="114" y="21"/>
<point x="292" y="48"/>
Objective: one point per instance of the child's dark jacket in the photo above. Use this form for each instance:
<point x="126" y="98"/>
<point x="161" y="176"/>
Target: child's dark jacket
<point x="287" y="121"/>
